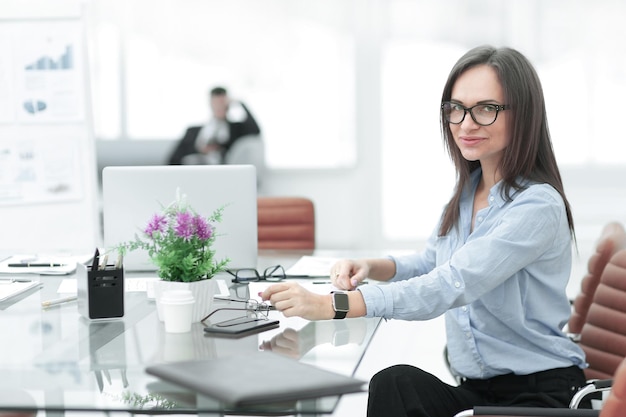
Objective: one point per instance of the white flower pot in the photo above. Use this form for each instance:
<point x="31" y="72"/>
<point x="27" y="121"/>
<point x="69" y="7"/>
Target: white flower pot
<point x="203" y="292"/>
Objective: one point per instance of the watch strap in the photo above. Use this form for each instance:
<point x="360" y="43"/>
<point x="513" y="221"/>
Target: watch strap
<point x="340" y="314"/>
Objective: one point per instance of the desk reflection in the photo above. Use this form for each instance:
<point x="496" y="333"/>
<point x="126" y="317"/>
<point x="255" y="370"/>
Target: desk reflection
<point x="63" y="362"/>
<point x="18" y="395"/>
<point x="105" y="346"/>
<point x="297" y="343"/>
<point x="177" y="347"/>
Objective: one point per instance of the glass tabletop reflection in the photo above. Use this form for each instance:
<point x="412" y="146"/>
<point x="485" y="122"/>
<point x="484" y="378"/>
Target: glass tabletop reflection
<point x="54" y="359"/>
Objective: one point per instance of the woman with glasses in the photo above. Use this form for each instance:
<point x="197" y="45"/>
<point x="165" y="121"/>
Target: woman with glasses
<point x="497" y="263"/>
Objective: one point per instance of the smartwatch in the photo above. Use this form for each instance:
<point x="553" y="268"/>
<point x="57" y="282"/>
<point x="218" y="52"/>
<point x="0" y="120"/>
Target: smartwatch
<point x="340" y="304"/>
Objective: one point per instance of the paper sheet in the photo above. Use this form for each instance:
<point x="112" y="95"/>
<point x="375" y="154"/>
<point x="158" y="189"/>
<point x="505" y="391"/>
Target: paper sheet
<point x="314" y="266"/>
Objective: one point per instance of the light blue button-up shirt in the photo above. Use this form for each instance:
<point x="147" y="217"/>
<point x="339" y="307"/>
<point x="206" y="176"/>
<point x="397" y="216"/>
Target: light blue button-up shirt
<point x="501" y="286"/>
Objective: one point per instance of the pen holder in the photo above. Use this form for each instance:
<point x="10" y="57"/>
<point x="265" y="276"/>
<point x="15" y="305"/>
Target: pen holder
<point x="100" y="292"/>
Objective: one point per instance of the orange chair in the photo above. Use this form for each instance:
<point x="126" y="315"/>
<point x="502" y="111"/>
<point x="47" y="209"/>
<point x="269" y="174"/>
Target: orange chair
<point x="603" y="336"/>
<point x="285" y="223"/>
<point x="612" y="240"/>
<point x="615" y="404"/>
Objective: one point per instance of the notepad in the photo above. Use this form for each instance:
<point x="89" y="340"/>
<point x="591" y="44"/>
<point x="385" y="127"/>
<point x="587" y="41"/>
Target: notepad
<point x="256" y="378"/>
<point x="10" y="288"/>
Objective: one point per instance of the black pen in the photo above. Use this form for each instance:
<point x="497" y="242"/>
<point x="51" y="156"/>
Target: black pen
<point x="96" y="260"/>
<point x="306" y="276"/>
<point x="34" y="265"/>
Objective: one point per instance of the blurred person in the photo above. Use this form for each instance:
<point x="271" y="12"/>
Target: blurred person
<point x="496" y="265"/>
<point x="229" y="122"/>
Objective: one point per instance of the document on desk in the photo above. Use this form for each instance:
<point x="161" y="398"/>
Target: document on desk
<point x="256" y="378"/>
<point x="12" y="287"/>
<point x="42" y="264"/>
<point x="312" y="266"/>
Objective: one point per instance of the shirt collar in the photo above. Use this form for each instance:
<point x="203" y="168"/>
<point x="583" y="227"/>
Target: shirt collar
<point x="496" y="193"/>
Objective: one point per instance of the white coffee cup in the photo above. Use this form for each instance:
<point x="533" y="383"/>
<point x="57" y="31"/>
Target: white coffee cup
<point x="177" y="306"/>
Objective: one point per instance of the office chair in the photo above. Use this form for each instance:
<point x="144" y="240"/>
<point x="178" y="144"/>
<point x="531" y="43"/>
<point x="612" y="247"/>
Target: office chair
<point x="248" y="150"/>
<point x="615" y="404"/>
<point x="612" y="240"/>
<point x="603" y="336"/>
<point x="286" y="223"/>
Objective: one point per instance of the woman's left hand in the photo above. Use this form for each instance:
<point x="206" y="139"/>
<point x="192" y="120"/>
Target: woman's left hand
<point x="292" y="299"/>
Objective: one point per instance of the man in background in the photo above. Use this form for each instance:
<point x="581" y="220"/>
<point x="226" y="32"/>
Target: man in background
<point x="209" y="144"/>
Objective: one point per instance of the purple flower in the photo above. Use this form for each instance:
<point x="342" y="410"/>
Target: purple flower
<point x="158" y="223"/>
<point x="203" y="228"/>
<point x="184" y="225"/>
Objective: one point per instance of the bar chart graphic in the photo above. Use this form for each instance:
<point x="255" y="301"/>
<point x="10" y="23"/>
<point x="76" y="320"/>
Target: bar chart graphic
<point x="65" y="61"/>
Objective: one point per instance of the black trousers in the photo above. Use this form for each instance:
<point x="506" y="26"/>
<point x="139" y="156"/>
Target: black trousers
<point x="405" y="390"/>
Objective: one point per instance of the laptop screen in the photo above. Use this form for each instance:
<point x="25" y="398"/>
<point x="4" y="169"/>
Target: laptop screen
<point x="132" y="195"/>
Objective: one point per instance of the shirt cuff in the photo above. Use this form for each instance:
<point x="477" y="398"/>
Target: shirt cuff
<point x="378" y="300"/>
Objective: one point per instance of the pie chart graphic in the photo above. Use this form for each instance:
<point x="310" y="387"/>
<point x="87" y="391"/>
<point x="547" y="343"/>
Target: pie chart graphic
<point x="34" y="106"/>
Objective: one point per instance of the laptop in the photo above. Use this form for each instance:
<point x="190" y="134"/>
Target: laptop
<point x="256" y="378"/>
<point x="131" y="195"/>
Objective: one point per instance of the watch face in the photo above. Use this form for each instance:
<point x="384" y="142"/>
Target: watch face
<point x="340" y="301"/>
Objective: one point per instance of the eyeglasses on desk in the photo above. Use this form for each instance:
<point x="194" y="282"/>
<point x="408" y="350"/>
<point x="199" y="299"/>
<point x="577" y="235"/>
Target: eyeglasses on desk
<point x="271" y="274"/>
<point x="254" y="311"/>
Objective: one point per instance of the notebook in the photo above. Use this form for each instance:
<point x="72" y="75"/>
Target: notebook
<point x="256" y="378"/>
<point x="131" y="195"/>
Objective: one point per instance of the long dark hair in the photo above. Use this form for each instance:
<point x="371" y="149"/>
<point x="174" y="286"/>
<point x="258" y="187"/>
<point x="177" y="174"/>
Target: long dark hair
<point x="529" y="154"/>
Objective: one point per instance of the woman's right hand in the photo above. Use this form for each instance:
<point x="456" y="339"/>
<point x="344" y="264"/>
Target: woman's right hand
<point x="347" y="273"/>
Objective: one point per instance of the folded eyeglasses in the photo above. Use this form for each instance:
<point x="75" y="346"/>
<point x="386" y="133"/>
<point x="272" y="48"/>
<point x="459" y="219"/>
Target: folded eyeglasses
<point x="255" y="311"/>
<point x="271" y="274"/>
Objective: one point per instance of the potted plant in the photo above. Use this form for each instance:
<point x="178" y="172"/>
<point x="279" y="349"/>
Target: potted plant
<point x="179" y="242"/>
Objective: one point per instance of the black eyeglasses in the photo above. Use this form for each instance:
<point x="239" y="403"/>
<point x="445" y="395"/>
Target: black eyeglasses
<point x="273" y="274"/>
<point x="255" y="311"/>
<point x="482" y="114"/>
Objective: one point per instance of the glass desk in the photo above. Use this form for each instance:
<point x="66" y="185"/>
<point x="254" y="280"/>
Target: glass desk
<point x="53" y="359"/>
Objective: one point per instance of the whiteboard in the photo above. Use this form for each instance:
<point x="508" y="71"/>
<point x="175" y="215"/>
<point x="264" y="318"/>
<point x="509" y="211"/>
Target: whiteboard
<point x="48" y="174"/>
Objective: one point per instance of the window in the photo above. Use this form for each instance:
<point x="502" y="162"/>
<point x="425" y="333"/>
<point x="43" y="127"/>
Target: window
<point x="573" y="47"/>
<point x="154" y="63"/>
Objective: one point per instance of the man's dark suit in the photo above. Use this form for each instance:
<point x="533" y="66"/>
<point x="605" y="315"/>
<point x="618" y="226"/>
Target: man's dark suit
<point x="187" y="145"/>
